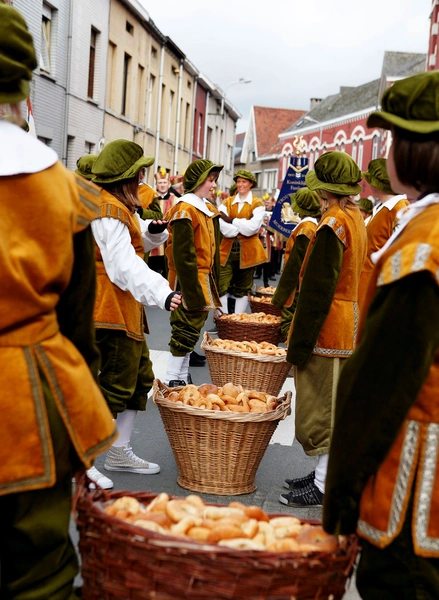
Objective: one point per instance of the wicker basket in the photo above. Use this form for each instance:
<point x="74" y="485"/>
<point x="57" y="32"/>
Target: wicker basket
<point x="217" y="452"/>
<point x="241" y="331"/>
<point x="257" y="292"/>
<point x="123" y="561"/>
<point x="252" y="371"/>
<point x="266" y="307"/>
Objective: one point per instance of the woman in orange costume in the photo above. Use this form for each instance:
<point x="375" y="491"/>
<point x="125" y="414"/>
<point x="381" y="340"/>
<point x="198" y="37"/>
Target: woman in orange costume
<point x="54" y="417"/>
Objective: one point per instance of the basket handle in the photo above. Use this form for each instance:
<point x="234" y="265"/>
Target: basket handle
<point x="219" y="310"/>
<point x="82" y="487"/>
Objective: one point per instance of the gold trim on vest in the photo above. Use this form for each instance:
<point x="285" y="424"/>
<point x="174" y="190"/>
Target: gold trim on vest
<point x="427" y="477"/>
<point x="406" y="465"/>
<point x="422" y="253"/>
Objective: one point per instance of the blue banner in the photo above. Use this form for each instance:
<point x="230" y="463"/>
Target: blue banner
<point x="283" y="219"/>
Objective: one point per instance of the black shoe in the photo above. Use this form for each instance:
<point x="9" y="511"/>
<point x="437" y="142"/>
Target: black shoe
<point x="299" y="482"/>
<point x="196" y="360"/>
<point x="176" y="383"/>
<point x="303" y="497"/>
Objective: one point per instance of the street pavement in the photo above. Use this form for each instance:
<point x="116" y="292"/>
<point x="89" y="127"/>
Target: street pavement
<point x="284" y="457"/>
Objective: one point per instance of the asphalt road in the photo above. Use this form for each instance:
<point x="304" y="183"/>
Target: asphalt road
<point x="284" y="456"/>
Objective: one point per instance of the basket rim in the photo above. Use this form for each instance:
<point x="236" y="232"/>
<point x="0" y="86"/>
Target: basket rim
<point x="205" y="345"/>
<point x="218" y="314"/>
<point x="95" y="500"/>
<point x="256" y="291"/>
<point x="281" y="412"/>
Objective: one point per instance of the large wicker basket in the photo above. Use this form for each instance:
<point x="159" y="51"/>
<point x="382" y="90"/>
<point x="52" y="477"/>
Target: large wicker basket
<point x="252" y="371"/>
<point x="258" y="291"/>
<point x="241" y="331"/>
<point x="217" y="452"/>
<point x="121" y="561"/>
<point x="257" y="306"/>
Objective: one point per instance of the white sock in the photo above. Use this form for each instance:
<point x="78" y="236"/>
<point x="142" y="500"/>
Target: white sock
<point x="125" y="425"/>
<point x="321" y="469"/>
<point x="224" y="305"/>
<point x="241" y="304"/>
<point x="175" y="364"/>
<point x="184" y="372"/>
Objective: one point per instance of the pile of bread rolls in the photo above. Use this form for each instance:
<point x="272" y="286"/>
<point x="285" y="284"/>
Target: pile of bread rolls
<point x="229" y="397"/>
<point x="256" y="317"/>
<point x="263" y="299"/>
<point x="267" y="290"/>
<point x="249" y="347"/>
<point x="235" y="526"/>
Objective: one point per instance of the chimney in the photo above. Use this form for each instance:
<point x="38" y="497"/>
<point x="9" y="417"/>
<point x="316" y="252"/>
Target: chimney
<point x="313" y="102"/>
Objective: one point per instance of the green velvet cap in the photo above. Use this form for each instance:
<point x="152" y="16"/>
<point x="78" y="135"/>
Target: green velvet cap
<point x="84" y="166"/>
<point x="245" y="175"/>
<point x="365" y="205"/>
<point x="17" y="56"/>
<point x="197" y="173"/>
<point x="335" y="172"/>
<point x="305" y="202"/>
<point x="119" y="160"/>
<point x="411" y="103"/>
<point x="377" y="176"/>
<point x="232" y="190"/>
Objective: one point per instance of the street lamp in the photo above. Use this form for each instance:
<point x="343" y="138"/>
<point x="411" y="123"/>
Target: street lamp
<point x="239" y="81"/>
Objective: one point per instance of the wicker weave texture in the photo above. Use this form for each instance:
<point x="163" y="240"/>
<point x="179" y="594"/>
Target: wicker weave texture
<point x="122" y="561"/>
<point x="217" y="452"/>
<point x="252" y="371"/>
<point x="241" y="331"/>
<point x="265" y="307"/>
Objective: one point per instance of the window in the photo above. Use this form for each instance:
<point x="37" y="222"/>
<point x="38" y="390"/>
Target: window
<point x="189" y="85"/>
<point x="126" y="75"/>
<point x="170" y="109"/>
<point x="208" y="142"/>
<point x="360" y="154"/>
<point x="270" y="180"/>
<point x="252" y="156"/>
<point x="257" y="174"/>
<point x="186" y="126"/>
<point x="46" y="141"/>
<point x="229" y="165"/>
<point x="46" y="38"/>
<point x="150" y="95"/>
<point x="140" y="94"/>
<point x="354" y="150"/>
<point x="111" y="70"/>
<point x="89" y="148"/>
<point x="129" y="28"/>
<point x="153" y="52"/>
<point x="199" y="130"/>
<point x="375" y="147"/>
<point x="91" y="62"/>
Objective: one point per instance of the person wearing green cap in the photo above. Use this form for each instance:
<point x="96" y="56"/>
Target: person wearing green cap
<point x="306" y="204"/>
<point x="84" y="166"/>
<point x="384" y="218"/>
<point x="324" y="327"/>
<point x="366" y="208"/>
<point x="383" y="472"/>
<point x="55" y="420"/>
<point x="125" y="286"/>
<point x="193" y="260"/>
<point x="241" y="249"/>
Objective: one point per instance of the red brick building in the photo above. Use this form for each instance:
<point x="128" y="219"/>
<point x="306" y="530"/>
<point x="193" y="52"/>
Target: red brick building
<point x="338" y="122"/>
<point x="433" y="57"/>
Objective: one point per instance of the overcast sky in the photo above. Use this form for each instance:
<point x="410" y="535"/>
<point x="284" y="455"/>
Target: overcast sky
<point x="292" y="51"/>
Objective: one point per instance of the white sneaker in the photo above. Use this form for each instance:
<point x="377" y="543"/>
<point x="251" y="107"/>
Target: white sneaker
<point x="102" y="480"/>
<point x="124" y="459"/>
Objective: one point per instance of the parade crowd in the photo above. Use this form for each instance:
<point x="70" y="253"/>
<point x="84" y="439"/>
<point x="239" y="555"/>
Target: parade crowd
<point x="83" y="254"/>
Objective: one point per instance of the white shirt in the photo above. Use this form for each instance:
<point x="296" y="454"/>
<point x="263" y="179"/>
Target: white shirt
<point x="20" y="152"/>
<point x="124" y="268"/>
<point x="404" y="216"/>
<point x="247" y="227"/>
<point x="197" y="202"/>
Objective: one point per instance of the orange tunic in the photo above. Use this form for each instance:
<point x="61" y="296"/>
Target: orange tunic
<point x="379" y="228"/>
<point x="204" y="241"/>
<point x="36" y="259"/>
<point x="252" y="250"/>
<point x="116" y="308"/>
<point x="414" y="455"/>
<point x="306" y="227"/>
<point x="338" y="335"/>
